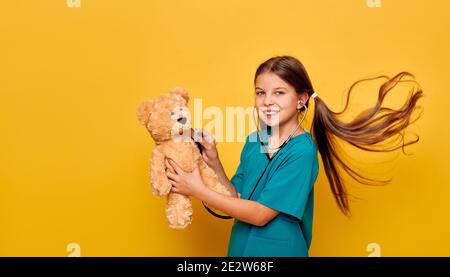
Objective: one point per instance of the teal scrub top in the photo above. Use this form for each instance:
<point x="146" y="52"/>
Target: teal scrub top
<point x="287" y="185"/>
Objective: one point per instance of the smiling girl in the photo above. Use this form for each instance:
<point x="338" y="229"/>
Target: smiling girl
<point x="273" y="188"/>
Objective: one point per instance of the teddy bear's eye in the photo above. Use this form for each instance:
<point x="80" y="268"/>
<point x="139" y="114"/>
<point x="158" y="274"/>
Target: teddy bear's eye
<point x="172" y="113"/>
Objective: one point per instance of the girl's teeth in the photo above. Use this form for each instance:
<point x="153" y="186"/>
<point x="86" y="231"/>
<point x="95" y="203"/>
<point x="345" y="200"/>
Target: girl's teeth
<point x="271" y="113"/>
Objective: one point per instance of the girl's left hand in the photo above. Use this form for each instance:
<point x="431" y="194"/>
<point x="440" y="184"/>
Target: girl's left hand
<point x="189" y="184"/>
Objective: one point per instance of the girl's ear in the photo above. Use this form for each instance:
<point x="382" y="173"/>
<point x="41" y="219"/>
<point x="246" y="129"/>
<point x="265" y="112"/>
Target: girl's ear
<point x="303" y="98"/>
<point x="144" y="111"/>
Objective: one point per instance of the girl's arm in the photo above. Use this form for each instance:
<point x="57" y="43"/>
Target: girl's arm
<point x="191" y="184"/>
<point x="244" y="210"/>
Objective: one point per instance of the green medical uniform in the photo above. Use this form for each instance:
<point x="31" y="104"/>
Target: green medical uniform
<point x="286" y="185"/>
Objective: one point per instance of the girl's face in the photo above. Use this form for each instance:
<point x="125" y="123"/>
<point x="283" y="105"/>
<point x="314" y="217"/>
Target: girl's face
<point x="275" y="100"/>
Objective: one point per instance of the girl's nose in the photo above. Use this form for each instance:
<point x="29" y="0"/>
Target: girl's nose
<point x="267" y="100"/>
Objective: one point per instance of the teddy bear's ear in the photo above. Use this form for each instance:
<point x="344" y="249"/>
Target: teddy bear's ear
<point x="181" y="92"/>
<point x="144" y="110"/>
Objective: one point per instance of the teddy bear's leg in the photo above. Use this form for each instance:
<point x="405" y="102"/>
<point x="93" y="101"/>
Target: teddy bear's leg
<point x="211" y="180"/>
<point x="158" y="178"/>
<point x="178" y="210"/>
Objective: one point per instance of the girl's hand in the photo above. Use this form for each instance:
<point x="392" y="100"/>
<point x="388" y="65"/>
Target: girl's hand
<point x="209" y="150"/>
<point x="189" y="184"/>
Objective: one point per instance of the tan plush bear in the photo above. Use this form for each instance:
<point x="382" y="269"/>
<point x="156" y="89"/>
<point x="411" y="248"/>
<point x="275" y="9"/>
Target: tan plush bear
<point x="167" y="118"/>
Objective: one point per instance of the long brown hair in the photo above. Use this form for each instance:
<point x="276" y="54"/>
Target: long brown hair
<point x="370" y="127"/>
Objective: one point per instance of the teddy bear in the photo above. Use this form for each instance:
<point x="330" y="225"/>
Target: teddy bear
<point x="167" y="119"/>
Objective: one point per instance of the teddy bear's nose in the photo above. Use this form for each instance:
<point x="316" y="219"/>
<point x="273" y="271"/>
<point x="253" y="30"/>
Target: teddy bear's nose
<point x="182" y="120"/>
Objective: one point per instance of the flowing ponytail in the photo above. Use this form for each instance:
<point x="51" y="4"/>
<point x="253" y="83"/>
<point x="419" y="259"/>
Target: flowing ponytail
<point x="366" y="131"/>
<point x="369" y="128"/>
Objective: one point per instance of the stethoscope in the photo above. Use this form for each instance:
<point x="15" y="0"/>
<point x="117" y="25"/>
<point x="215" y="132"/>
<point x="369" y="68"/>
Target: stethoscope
<point x="291" y="134"/>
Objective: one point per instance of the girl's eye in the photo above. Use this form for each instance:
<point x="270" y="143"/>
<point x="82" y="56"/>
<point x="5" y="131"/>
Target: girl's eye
<point x="259" y="93"/>
<point x="279" y="92"/>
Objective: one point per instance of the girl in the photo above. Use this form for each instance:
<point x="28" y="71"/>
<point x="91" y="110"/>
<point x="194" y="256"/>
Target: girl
<point x="273" y="188"/>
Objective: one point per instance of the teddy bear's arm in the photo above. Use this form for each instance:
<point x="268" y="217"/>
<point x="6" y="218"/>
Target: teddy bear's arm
<point x="158" y="178"/>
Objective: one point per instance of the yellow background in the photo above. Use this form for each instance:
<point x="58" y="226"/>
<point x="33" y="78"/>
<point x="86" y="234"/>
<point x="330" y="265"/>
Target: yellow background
<point x="74" y="160"/>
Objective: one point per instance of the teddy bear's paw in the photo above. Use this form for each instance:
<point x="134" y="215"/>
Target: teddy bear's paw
<point x="159" y="183"/>
<point x="221" y="189"/>
<point x="160" y="190"/>
<point x="178" y="211"/>
<point x="211" y="180"/>
<point x="178" y="220"/>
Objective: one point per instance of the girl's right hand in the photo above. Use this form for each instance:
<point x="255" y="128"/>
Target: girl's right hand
<point x="209" y="150"/>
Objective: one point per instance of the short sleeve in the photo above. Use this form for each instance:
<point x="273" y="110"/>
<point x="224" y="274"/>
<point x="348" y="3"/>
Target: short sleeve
<point x="288" y="189"/>
<point x="238" y="179"/>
